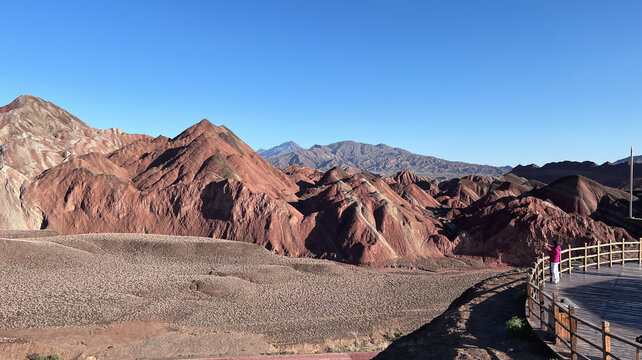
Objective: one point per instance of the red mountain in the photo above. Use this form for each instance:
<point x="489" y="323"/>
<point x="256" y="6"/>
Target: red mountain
<point x="34" y="136"/>
<point x="208" y="182"/>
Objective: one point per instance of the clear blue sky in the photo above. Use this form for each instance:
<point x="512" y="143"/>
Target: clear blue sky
<point x="494" y="82"/>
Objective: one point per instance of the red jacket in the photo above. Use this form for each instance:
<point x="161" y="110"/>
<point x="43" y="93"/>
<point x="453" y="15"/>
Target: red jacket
<point x="554" y="253"/>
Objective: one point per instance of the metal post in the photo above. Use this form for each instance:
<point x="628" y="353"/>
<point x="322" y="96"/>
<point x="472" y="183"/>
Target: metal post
<point x="623" y="253"/>
<point x="640" y="252"/>
<point x="598" y="254"/>
<point x="585" y="257"/>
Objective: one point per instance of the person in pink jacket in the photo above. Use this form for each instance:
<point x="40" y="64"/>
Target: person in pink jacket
<point x="555" y="253"/>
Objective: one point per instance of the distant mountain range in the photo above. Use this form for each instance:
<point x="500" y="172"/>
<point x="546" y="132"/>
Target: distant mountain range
<point x="636" y="160"/>
<point x="379" y="159"/>
<point x="283" y="149"/>
<point x="612" y="175"/>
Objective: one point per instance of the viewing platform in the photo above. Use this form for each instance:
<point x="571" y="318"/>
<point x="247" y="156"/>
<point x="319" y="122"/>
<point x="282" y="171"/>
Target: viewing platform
<point x="595" y="312"/>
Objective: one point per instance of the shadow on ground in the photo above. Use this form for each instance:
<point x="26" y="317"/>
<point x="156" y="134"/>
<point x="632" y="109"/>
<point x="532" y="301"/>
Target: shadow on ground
<point x="474" y="327"/>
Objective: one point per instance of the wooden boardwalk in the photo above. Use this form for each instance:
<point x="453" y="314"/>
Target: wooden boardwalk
<point x="612" y="294"/>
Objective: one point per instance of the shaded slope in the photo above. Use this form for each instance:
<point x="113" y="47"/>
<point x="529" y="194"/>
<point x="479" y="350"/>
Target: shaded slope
<point x="580" y="195"/>
<point x="473" y="327"/>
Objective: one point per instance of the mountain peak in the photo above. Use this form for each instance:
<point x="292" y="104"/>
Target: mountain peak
<point x="28" y="113"/>
<point x="287" y="147"/>
<point x="198" y="129"/>
<point x="23" y="101"/>
<point x="27" y="97"/>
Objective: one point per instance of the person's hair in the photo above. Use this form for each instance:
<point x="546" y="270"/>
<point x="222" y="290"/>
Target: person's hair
<point x="555" y="243"/>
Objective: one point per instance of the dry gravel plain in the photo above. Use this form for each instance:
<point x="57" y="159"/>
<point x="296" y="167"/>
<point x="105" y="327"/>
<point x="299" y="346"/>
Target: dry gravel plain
<point x="128" y="296"/>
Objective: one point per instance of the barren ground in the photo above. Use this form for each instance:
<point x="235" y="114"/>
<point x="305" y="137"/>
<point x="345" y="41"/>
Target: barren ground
<point x="126" y="296"/>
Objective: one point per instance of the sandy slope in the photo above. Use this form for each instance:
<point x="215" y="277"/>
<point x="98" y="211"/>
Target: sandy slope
<point x="122" y="296"/>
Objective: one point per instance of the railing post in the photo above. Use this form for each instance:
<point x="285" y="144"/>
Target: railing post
<point x="606" y="340"/>
<point x="610" y="252"/>
<point x="623" y="252"/>
<point x="542" y="311"/>
<point x="570" y="258"/>
<point x="598" y="254"/>
<point x="573" y="327"/>
<point x="543" y="272"/>
<point x="585" y="257"/>
<point x="556" y="318"/>
<point x="529" y="293"/>
<point x="640" y="252"/>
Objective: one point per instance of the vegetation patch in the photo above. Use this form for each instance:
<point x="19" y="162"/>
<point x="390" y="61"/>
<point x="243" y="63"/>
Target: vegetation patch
<point x="42" y="357"/>
<point x="517" y="327"/>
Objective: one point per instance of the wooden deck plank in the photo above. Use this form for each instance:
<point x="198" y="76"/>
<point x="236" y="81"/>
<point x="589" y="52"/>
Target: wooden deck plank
<point x="612" y="294"/>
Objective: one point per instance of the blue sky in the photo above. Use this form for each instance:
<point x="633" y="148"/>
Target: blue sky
<point x="494" y="82"/>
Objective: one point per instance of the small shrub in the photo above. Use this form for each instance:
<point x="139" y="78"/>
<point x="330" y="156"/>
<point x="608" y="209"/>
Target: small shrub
<point x="393" y="336"/>
<point x="42" y="357"/>
<point x="517" y="327"/>
<point x="332" y="349"/>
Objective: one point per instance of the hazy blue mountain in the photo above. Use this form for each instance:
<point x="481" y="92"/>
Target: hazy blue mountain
<point x="381" y="159"/>
<point x="636" y="160"/>
<point x="279" y="150"/>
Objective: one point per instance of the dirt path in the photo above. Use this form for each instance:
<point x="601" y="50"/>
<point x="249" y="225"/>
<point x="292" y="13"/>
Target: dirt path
<point x="473" y="327"/>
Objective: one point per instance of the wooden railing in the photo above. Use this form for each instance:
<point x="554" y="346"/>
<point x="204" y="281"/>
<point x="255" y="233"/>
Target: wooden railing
<point x="563" y="317"/>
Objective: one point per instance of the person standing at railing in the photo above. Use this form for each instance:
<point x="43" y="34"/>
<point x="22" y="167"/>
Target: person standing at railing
<point x="555" y="254"/>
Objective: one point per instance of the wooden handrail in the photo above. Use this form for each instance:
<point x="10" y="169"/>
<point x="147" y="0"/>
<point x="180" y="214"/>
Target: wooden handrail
<point x="537" y="295"/>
